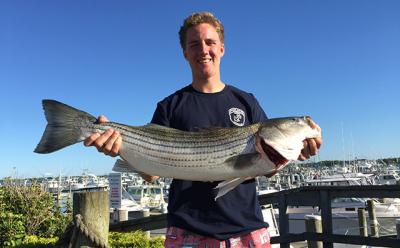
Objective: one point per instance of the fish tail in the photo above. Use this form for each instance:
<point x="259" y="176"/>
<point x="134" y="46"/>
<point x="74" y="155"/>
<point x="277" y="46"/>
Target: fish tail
<point x="63" y="127"/>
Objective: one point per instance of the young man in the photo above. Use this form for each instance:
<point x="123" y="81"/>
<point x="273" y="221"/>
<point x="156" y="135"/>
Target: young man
<point x="195" y="219"/>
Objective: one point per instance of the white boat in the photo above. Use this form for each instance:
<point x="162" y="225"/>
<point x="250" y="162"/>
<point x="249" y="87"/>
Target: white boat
<point x="345" y="215"/>
<point x="131" y="208"/>
<point x="341" y="180"/>
<point x="149" y="196"/>
<point x="387" y="179"/>
<point x="52" y="185"/>
<point x="345" y="210"/>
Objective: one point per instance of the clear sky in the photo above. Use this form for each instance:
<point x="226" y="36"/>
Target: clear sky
<point x="337" y="61"/>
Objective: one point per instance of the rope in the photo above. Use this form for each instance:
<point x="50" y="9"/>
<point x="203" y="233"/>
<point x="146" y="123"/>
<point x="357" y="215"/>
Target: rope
<point x="64" y="238"/>
<point x="76" y="228"/>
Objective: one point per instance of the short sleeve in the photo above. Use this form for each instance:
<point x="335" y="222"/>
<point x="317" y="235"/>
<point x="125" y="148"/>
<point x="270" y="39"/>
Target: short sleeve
<point x="160" y="115"/>
<point x="257" y="112"/>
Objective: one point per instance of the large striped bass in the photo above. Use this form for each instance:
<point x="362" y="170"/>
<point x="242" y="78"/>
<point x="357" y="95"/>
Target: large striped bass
<point x="213" y="154"/>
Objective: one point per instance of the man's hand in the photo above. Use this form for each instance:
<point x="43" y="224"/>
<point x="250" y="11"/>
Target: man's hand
<point x="311" y="146"/>
<point x="148" y="178"/>
<point x="108" y="142"/>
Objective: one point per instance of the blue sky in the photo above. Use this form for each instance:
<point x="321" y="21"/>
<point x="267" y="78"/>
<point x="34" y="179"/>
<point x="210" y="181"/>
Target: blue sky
<point x="337" y="61"/>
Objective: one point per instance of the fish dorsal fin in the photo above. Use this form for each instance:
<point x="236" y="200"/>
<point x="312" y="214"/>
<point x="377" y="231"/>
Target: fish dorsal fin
<point x="158" y="128"/>
<point x="210" y="129"/>
<point x="155" y="126"/>
<point x="224" y="187"/>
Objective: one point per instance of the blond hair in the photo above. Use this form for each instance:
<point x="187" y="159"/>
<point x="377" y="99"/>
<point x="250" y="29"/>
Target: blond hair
<point x="199" y="18"/>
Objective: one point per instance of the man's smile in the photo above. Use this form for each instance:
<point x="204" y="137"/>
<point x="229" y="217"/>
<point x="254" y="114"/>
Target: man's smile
<point x="204" y="60"/>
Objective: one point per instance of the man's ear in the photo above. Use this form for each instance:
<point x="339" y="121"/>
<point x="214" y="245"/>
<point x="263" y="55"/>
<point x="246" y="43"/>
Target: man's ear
<point x="185" y="54"/>
<point x="222" y="49"/>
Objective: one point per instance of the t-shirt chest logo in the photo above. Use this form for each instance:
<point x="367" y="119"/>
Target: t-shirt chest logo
<point x="237" y="116"/>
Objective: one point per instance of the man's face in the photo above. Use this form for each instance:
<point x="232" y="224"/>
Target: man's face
<point x="204" y="51"/>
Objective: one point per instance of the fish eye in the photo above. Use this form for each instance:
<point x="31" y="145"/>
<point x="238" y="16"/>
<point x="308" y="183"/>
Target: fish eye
<point x="294" y="119"/>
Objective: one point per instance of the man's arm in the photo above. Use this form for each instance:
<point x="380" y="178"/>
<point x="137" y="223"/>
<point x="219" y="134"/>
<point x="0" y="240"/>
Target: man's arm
<point x="110" y="143"/>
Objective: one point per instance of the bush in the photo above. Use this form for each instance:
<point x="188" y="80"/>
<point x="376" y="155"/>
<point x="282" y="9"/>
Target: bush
<point x="30" y="218"/>
<point x="31" y="241"/>
<point x="29" y="211"/>
<point x="137" y="239"/>
<point x="12" y="228"/>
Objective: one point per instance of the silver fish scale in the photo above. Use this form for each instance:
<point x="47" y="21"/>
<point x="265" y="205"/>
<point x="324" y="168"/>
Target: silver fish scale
<point x="178" y="148"/>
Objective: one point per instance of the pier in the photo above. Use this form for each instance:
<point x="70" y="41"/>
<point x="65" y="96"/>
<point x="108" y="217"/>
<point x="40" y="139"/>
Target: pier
<point x="315" y="196"/>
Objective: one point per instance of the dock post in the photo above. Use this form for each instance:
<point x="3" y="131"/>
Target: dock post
<point x="362" y="222"/>
<point x="122" y="214"/>
<point x="113" y="216"/>
<point x="283" y="220"/>
<point x="94" y="209"/>
<point x="325" y="200"/>
<point x="398" y="228"/>
<point x="314" y="224"/>
<point x="372" y="218"/>
<point x="145" y="213"/>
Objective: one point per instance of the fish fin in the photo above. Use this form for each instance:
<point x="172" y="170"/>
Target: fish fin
<point x="156" y="127"/>
<point x="60" y="130"/>
<point x="201" y="129"/>
<point x="243" y="161"/>
<point x="214" y="129"/>
<point x="290" y="153"/>
<point x="160" y="127"/>
<point x="224" y="187"/>
<point x="123" y="166"/>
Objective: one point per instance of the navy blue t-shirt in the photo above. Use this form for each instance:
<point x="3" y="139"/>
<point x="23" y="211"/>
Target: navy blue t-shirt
<point x="191" y="204"/>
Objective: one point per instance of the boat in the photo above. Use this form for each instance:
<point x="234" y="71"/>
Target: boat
<point x="149" y="196"/>
<point x="344" y="215"/>
<point x="344" y="210"/>
<point x="391" y="178"/>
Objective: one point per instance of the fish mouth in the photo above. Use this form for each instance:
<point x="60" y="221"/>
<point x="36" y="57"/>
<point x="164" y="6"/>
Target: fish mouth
<point x="273" y="155"/>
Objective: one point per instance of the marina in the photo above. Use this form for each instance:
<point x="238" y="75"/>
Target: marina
<point x="319" y="196"/>
<point x="137" y="200"/>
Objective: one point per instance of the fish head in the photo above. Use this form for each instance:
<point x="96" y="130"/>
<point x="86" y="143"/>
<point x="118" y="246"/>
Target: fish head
<point x="281" y="139"/>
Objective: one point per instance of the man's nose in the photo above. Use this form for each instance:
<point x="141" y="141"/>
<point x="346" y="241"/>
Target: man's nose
<point x="203" y="48"/>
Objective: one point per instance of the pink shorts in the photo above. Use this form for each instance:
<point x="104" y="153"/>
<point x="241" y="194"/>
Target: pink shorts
<point x="179" y="238"/>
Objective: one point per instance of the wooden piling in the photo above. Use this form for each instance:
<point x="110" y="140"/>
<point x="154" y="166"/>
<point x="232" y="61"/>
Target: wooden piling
<point x="122" y="215"/>
<point x="146" y="213"/>
<point x="314" y="224"/>
<point x="94" y="209"/>
<point x="372" y="218"/>
<point x="362" y="222"/>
